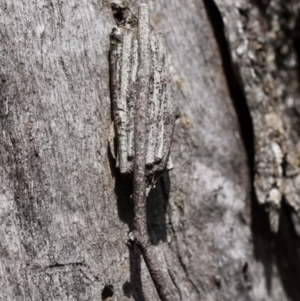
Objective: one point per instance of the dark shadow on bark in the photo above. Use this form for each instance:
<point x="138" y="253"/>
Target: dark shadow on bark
<point x="123" y="190"/>
<point x="134" y="288"/>
<point x="157" y="202"/>
<point x="262" y="238"/>
<point x="287" y="254"/>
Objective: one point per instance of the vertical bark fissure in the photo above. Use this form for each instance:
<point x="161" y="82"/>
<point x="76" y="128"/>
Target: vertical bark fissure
<point x="266" y="244"/>
<point x="259" y="223"/>
<point x="234" y="83"/>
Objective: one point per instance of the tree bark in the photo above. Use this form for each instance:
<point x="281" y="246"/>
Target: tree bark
<point x="223" y="223"/>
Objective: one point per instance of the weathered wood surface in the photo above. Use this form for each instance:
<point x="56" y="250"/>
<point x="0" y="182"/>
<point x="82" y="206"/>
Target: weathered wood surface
<point x="65" y="212"/>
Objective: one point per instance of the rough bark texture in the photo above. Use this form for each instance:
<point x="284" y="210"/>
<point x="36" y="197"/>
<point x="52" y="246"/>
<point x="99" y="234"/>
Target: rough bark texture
<point x="65" y="212"/>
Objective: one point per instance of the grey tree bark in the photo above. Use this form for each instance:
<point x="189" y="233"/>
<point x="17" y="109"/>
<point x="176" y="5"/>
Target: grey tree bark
<point x="223" y="223"/>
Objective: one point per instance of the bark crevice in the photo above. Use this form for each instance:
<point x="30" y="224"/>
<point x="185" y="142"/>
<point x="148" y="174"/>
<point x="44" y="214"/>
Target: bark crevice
<point x="234" y="83"/>
<point x="285" y="243"/>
